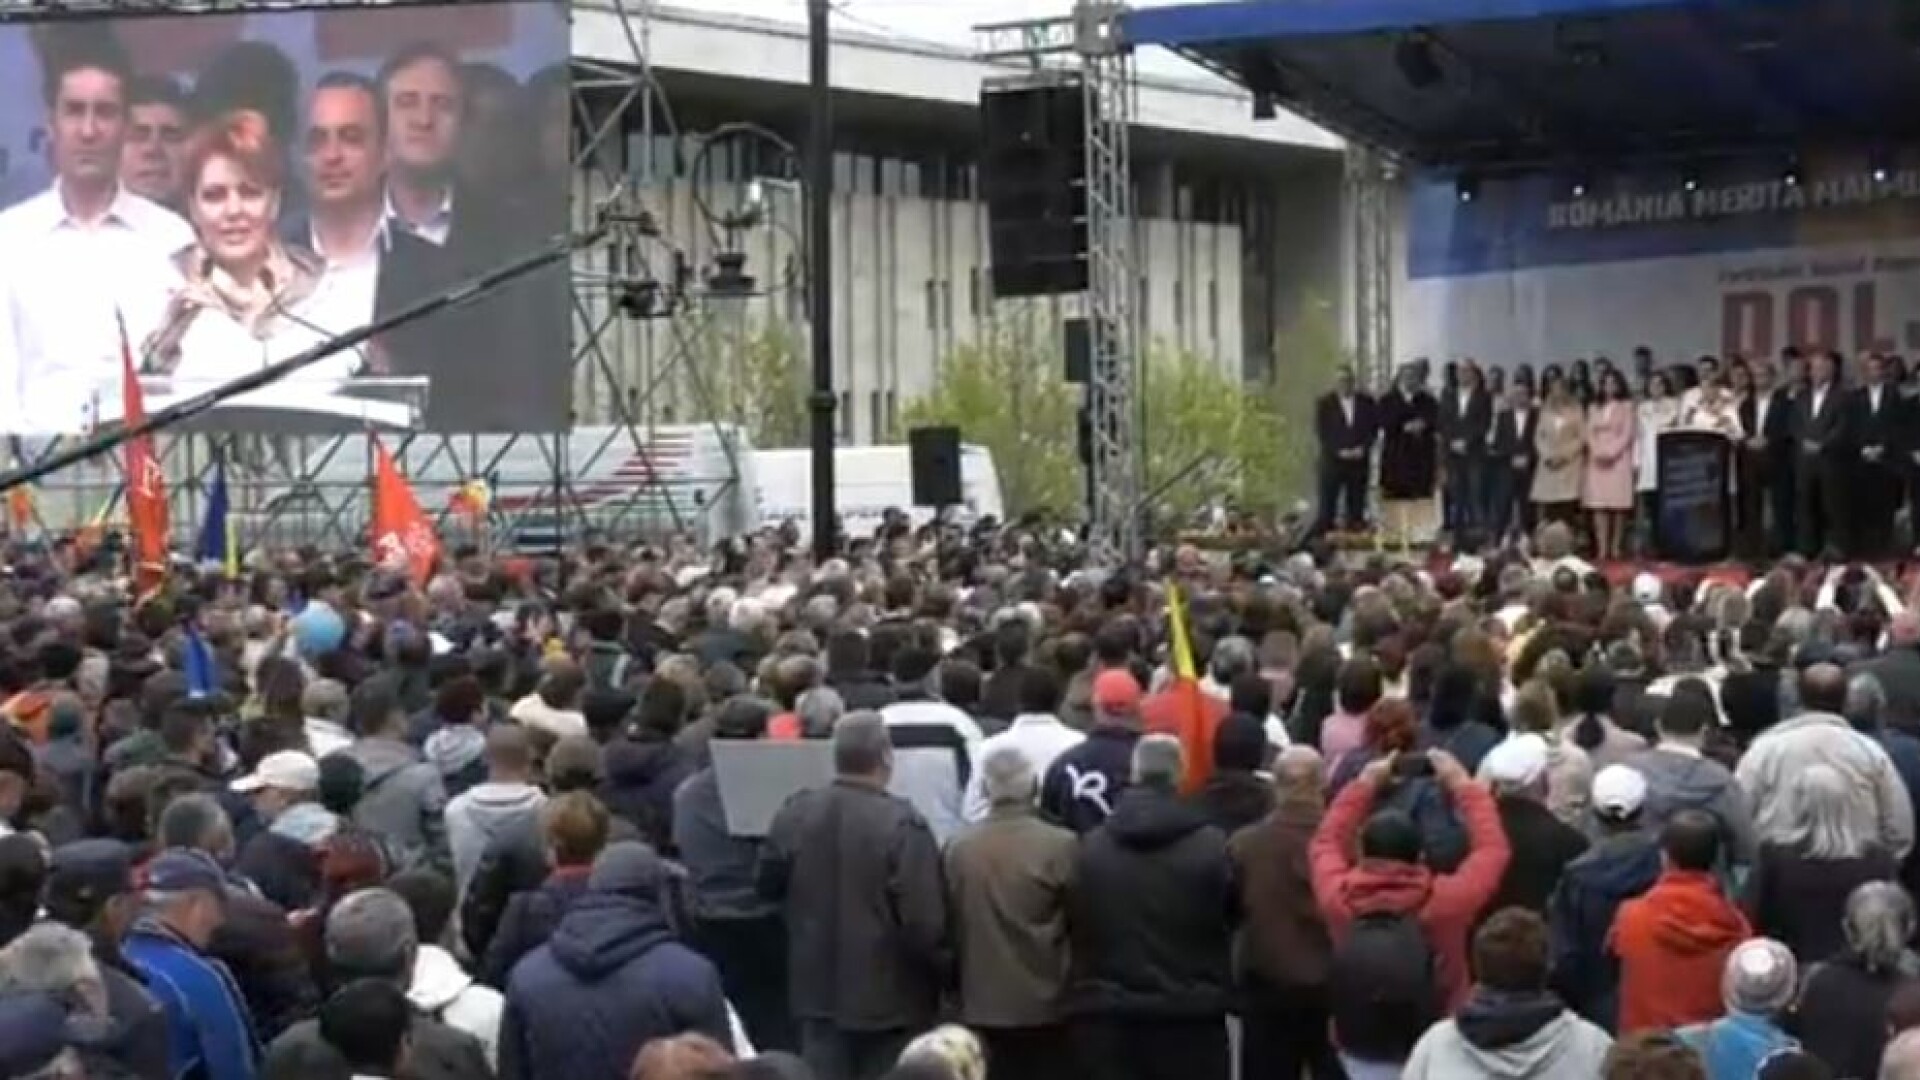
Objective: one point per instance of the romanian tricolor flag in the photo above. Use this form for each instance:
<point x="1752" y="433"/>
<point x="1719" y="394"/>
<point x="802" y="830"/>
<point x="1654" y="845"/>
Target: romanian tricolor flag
<point x="20" y="508"/>
<point x="1192" y="729"/>
<point x="471" y="499"/>
<point x="217" y="543"/>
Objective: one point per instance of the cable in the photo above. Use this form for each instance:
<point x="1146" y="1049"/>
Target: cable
<point x="556" y="250"/>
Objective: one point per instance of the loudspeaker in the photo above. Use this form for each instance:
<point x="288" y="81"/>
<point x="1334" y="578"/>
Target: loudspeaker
<point x="1033" y="178"/>
<point x="936" y="466"/>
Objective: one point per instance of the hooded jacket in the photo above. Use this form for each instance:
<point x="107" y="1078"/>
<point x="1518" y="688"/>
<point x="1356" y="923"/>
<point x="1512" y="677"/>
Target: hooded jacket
<point x="1677" y="780"/>
<point x="459" y="752"/>
<point x="403" y="801"/>
<point x="1448" y="905"/>
<point x="641" y="779"/>
<point x="611" y="979"/>
<point x="1673" y="944"/>
<point x="484" y="814"/>
<point x="1151" y="913"/>
<point x="1580" y="916"/>
<point x="530" y="920"/>
<point x="1735" y="1045"/>
<point x="209" y="1031"/>
<point x="1509" y="1036"/>
<point x="445" y="992"/>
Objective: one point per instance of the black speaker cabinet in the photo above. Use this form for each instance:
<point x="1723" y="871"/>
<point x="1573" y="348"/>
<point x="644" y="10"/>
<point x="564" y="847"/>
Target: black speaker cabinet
<point x="1033" y="168"/>
<point x="936" y="466"/>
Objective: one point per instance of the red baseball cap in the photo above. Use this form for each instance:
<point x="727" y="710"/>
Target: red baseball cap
<point x="1115" y="691"/>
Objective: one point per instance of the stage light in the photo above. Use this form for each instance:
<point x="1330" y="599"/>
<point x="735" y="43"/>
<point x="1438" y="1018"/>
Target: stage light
<point x="1880" y="166"/>
<point x="1466" y="188"/>
<point x="1791" y="177"/>
<point x="1690" y="183"/>
<point x="1580" y="186"/>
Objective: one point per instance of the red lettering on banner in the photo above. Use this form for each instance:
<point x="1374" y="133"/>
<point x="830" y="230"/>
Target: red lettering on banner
<point x="1810" y="317"/>
<point x="1813" y="318"/>
<point x="376" y="33"/>
<point x="1746" y="323"/>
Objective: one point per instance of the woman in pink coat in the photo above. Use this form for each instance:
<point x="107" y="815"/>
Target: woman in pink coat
<point x="1609" y="488"/>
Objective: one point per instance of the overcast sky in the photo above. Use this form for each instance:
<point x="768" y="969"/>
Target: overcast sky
<point x="950" y="22"/>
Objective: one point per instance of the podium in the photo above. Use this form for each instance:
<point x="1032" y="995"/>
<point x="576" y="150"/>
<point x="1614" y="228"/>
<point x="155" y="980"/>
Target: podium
<point x="1693" y="496"/>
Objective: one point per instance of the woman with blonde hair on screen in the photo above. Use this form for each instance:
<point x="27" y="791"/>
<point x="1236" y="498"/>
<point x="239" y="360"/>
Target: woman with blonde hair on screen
<point x="247" y="298"/>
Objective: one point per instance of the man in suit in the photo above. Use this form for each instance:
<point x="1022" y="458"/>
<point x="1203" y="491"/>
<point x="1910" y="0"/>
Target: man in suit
<point x="1820" y="464"/>
<point x="1876" y="425"/>
<point x="346" y="162"/>
<point x="1766" y="465"/>
<point x="1512" y="459"/>
<point x="1466" y="420"/>
<point x="1343" y="419"/>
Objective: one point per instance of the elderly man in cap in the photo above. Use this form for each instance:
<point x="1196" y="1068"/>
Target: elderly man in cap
<point x="612" y="978"/>
<point x="283" y="859"/>
<point x="211" y="1033"/>
<point x="90" y="887"/>
<point x="1623" y="862"/>
<point x="1761" y="983"/>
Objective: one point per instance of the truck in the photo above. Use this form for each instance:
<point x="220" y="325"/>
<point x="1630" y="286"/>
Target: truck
<point x="868" y="481"/>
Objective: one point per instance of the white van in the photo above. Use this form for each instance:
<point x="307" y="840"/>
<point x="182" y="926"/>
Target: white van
<point x="695" y="479"/>
<point x="868" y="481"/>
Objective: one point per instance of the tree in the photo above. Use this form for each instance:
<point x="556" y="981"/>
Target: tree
<point x="752" y="373"/>
<point x="1310" y="354"/>
<point x="1007" y="391"/>
<point x="1206" y="435"/>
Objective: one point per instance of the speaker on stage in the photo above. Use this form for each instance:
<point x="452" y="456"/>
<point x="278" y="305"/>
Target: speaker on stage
<point x="936" y="466"/>
<point x="1033" y="178"/>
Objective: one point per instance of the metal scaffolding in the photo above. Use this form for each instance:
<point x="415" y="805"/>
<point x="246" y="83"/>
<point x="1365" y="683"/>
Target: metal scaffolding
<point x="276" y="482"/>
<point x="1102" y="64"/>
<point x="1370" y="176"/>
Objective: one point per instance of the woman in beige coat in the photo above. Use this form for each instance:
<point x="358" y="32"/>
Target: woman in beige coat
<point x="1561" y="441"/>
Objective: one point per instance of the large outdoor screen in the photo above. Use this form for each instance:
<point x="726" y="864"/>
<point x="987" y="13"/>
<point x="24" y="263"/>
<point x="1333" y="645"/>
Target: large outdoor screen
<point x="234" y="190"/>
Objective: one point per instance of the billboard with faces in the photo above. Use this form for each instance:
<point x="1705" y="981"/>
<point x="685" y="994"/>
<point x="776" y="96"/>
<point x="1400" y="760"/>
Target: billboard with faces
<point x="215" y="193"/>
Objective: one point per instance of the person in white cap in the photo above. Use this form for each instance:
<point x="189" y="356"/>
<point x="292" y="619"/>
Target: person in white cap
<point x="283" y="859"/>
<point x="1622" y="863"/>
<point x="1761" y="983"/>
<point x="1542" y="844"/>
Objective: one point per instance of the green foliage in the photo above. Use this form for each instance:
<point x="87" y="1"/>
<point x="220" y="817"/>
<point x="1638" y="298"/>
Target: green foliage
<point x="1208" y="435"/>
<point x="755" y="373"/>
<point x="1007" y="392"/>
<point x="1309" y="355"/>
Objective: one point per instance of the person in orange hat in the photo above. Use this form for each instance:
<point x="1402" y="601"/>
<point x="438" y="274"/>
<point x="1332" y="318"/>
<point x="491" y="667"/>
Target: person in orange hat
<point x="1083" y="783"/>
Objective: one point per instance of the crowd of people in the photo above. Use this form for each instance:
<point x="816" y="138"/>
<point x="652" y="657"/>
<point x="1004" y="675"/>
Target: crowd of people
<point x="1496" y="818"/>
<point x="1820" y="465"/>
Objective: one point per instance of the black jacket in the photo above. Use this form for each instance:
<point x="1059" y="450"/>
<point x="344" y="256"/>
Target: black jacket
<point x="1778" y="430"/>
<point x="862" y="690"/>
<point x="285" y="869"/>
<point x="1542" y="845"/>
<point x="1580" y="915"/>
<point x="1233" y="800"/>
<point x="1842" y="1015"/>
<point x="1898" y="670"/>
<point x="258" y="945"/>
<point x="1513" y="438"/>
<point x="1799" y="901"/>
<point x="513" y="863"/>
<point x="866" y="908"/>
<point x="641" y="778"/>
<point x="436" y="1052"/>
<point x="1470" y="428"/>
<point x="1882" y="428"/>
<point x="1084" y="783"/>
<point x="1823" y="435"/>
<point x="137" y="1044"/>
<point x="1336" y="432"/>
<point x="529" y="921"/>
<point x="1151" y="913"/>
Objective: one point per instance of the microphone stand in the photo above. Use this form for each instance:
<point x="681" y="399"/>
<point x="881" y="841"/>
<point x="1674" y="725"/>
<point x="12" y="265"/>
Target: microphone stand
<point x="556" y="250"/>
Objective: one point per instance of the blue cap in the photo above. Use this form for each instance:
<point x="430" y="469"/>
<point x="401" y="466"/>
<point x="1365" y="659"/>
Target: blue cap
<point x="33" y="1031"/>
<point x="183" y="870"/>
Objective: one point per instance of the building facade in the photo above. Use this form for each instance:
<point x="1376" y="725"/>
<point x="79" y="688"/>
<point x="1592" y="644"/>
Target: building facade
<point x="1239" y="220"/>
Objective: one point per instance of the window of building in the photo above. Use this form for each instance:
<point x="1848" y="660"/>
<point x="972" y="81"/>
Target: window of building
<point x="1179" y="304"/>
<point x="876" y="404"/>
<point x="893" y="414"/>
<point x="1213" y="308"/>
<point x="976" y="298"/>
<point x="846" y="416"/>
<point x="933" y="304"/>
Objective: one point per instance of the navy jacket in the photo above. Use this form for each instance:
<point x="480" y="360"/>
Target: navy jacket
<point x="529" y="922"/>
<point x="1084" y="783"/>
<point x="1591" y="890"/>
<point x="609" y="980"/>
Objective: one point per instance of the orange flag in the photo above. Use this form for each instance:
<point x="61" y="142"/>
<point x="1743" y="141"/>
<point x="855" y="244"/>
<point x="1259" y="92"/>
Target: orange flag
<point x="146" y="484"/>
<point x="402" y="535"/>
<point x="1194" y="733"/>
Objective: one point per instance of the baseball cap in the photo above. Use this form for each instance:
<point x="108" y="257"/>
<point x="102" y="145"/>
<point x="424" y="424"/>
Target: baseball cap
<point x="1115" y="691"/>
<point x="184" y="870"/>
<point x="1647" y="588"/>
<point x="1518" y="760"/>
<point x="1619" y="791"/>
<point x="86" y="873"/>
<point x="291" y="770"/>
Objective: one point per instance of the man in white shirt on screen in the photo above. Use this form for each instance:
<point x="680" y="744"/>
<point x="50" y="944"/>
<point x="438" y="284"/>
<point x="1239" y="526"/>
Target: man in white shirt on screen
<point x="80" y="253"/>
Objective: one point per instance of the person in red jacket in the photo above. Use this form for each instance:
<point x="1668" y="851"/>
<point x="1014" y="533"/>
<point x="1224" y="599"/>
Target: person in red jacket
<point x="1674" y="939"/>
<point x="1390" y="879"/>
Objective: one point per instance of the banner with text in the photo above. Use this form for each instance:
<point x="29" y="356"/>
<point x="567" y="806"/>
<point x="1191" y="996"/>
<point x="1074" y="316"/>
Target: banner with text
<point x="1525" y="272"/>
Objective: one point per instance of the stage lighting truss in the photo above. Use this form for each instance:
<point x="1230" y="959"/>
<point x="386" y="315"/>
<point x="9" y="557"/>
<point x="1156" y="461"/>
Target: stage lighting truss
<point x="656" y="284"/>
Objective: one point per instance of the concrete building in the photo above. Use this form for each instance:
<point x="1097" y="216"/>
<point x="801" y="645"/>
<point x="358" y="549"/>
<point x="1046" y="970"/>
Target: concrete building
<point x="1240" y="219"/>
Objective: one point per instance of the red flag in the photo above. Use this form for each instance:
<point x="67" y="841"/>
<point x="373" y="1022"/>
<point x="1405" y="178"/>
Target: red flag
<point x="402" y="535"/>
<point x="146" y="484"/>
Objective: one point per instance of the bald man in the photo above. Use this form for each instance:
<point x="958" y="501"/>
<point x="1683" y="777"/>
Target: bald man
<point x="1821" y="735"/>
<point x="1898" y="669"/>
<point x="1286" y="945"/>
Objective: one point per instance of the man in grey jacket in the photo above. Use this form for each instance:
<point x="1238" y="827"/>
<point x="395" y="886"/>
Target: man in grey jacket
<point x="508" y="799"/>
<point x="1821" y="735"/>
<point x="403" y="801"/>
<point x="859" y="874"/>
<point x="1680" y="777"/>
